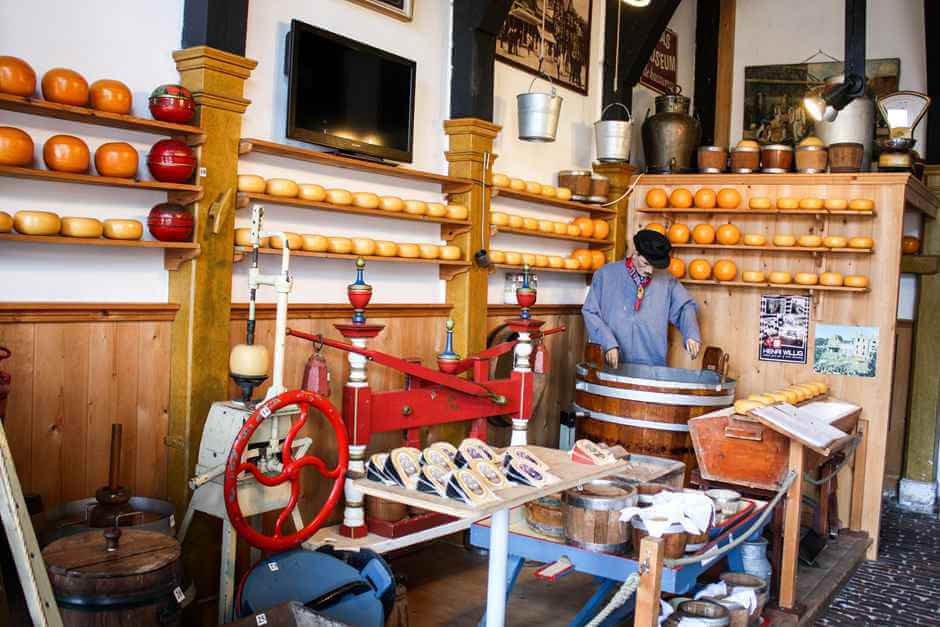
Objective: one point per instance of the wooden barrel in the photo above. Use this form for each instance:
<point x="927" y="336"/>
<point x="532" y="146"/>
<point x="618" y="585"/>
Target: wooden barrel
<point x="592" y="515"/>
<point x="116" y="578"/>
<point x="545" y="516"/>
<point x="646" y="409"/>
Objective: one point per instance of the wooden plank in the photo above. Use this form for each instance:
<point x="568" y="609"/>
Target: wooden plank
<point x="245" y="199"/>
<point x="87" y="241"/>
<point x="791" y="529"/>
<point x="126" y="379"/>
<point x="790" y="179"/>
<point x="772" y="286"/>
<point x="775" y="249"/>
<point x="74" y="424"/>
<point x="651" y="551"/>
<point x="92" y="179"/>
<point x="858" y="476"/>
<point x="152" y="409"/>
<point x="86" y="312"/>
<point x="20" y="339"/>
<point x="724" y="78"/>
<point x="242" y="251"/>
<point x="48" y="408"/>
<point x="261" y="146"/>
<point x="87" y="115"/>
<point x="504" y="311"/>
<point x="920" y="264"/>
<point x="538" y="199"/>
<point x="102" y="402"/>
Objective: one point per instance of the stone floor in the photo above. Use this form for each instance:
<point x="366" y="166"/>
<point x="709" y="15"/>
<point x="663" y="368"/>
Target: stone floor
<point x="903" y="586"/>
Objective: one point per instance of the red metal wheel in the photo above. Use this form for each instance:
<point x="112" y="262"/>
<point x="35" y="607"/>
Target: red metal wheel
<point x="290" y="472"/>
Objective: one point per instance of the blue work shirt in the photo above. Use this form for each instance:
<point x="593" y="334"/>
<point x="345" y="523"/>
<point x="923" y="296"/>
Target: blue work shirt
<point x="642" y="336"/>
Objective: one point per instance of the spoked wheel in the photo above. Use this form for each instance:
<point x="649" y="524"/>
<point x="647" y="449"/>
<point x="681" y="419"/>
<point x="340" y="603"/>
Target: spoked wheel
<point x="305" y="401"/>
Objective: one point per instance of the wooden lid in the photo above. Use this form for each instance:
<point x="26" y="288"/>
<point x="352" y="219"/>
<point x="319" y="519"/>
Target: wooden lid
<point x="85" y="555"/>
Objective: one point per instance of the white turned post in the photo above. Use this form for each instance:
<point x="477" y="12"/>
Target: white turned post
<point x="522" y="351"/>
<point x="354" y="511"/>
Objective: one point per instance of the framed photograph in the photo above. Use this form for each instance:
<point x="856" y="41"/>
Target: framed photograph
<point x="401" y="9"/>
<point x="567" y="40"/>
<point x="846" y="350"/>
<point x="773" y="96"/>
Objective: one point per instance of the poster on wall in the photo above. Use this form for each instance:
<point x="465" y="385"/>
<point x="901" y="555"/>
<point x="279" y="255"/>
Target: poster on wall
<point x="846" y="350"/>
<point x="402" y="9"/>
<point x="773" y="96"/>
<point x="659" y="74"/>
<point x="567" y="40"/>
<point x="784" y="328"/>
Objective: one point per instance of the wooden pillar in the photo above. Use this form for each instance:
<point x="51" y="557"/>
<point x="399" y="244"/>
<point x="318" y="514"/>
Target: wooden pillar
<point x="725" y="75"/>
<point x="469" y="140"/>
<point x="791" y="529"/>
<point x="918" y="487"/>
<point x="203" y="286"/>
<point x="651" y="576"/>
<point x="620" y="175"/>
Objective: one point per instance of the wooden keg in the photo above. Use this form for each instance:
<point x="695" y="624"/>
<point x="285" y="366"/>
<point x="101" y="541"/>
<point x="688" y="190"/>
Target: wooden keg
<point x="646" y="409"/>
<point x="116" y="578"/>
<point x="546" y="516"/>
<point x="592" y="515"/>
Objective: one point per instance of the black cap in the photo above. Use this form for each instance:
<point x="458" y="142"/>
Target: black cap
<point x="654" y="246"/>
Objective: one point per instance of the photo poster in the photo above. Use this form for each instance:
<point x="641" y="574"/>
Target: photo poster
<point x="784" y="328"/>
<point x="845" y="350"/>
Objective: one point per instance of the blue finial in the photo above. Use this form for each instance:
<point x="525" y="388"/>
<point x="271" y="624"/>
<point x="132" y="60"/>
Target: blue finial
<point x="448" y="352"/>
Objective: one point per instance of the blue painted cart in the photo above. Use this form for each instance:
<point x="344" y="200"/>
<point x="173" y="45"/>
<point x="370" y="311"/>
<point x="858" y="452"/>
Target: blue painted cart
<point x="611" y="570"/>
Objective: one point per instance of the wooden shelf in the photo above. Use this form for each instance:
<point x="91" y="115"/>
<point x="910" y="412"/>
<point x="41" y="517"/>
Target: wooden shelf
<point x="449" y="184"/>
<point x="37" y="106"/>
<point x="508" y="266"/>
<point x="777" y="249"/>
<point x="538" y="199"/>
<point x="245" y="199"/>
<point x="761" y="212"/>
<point x="605" y="243"/>
<point x="787" y="286"/>
<point x="448" y="269"/>
<point x="920" y="264"/>
<point x="175" y="253"/>
<point x="184" y="192"/>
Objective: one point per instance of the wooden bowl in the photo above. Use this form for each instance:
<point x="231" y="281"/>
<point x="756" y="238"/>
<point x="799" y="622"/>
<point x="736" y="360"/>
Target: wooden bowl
<point x="65" y="87"/>
<point x="114" y="228"/>
<point x="118" y="159"/>
<point x="16" y="147"/>
<point x="36" y="223"/>
<point x="89" y="228"/>
<point x="66" y="153"/>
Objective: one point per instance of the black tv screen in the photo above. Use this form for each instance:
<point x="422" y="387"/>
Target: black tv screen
<point x="349" y="96"/>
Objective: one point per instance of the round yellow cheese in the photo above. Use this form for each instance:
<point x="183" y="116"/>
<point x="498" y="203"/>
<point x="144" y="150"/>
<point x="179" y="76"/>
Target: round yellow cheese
<point x="341" y="245"/>
<point x="429" y="251"/>
<point x="784" y="240"/>
<point x="753" y="276"/>
<point x="831" y="279"/>
<point x="856" y="280"/>
<point x="806" y="278"/>
<point x="36" y="222"/>
<point x="457" y="212"/>
<point x="249" y="360"/>
<point x="517" y="185"/>
<point x="861" y="204"/>
<point x="416" y="207"/>
<point x="528" y="259"/>
<point x="810" y="241"/>
<point x="748" y="143"/>
<point x="81" y="227"/>
<point x="437" y="210"/>
<point x="780" y="278"/>
<point x="294" y="241"/>
<point x="546" y="226"/>
<point x="759" y="202"/>
<point x="115" y="228"/>
<point x="385" y="248"/>
<point x="554" y="261"/>
<point x="451" y="253"/>
<point x="548" y="191"/>
<point x="779" y="397"/>
<point x="836" y="204"/>
<point x="515" y="221"/>
<point x="787" y="202"/>
<point x="811" y="203"/>
<point x="861" y="242"/>
<point x="408" y="251"/>
<point x="497" y="256"/>
<point x="315" y="243"/>
<point x="541" y="261"/>
<point x="513" y="258"/>
<point x="562" y="193"/>
<point x="560" y="228"/>
<point x="363" y="246"/>
<point x="311" y="191"/>
<point x="754" y="239"/>
<point x="391" y="203"/>
<point x="6" y="222"/>
<point x="284" y="188"/>
<point x="572" y="264"/>
<point x="251" y="183"/>
<point x="835" y="241"/>
<point x="744" y="406"/>
<point x="338" y="197"/>
<point x="761" y="398"/>
<point x="533" y="187"/>
<point x="811" y="140"/>
<point x="573" y="230"/>
<point x="530" y="224"/>
<point x="497" y="218"/>
<point x="366" y="200"/>
<point x="500" y="180"/>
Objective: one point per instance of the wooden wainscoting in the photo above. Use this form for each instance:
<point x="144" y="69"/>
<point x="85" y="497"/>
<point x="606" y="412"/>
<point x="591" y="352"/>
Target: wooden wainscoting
<point x="78" y="368"/>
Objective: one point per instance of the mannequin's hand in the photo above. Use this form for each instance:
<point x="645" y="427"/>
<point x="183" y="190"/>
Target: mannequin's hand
<point x="612" y="357"/>
<point x="693" y="347"/>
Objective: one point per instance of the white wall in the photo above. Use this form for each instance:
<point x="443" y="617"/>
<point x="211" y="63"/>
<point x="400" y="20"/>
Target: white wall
<point x="130" y="41"/>
<point x="769" y="32"/>
<point x="426" y="40"/>
<point x="573" y="147"/>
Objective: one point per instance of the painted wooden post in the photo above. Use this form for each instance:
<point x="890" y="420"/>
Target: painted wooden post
<point x="470" y="141"/>
<point x="651" y="576"/>
<point x="791" y="529"/>
<point x="203" y="286"/>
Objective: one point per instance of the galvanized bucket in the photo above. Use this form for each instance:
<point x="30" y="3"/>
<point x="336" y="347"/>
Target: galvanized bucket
<point x="612" y="137"/>
<point x="538" y="114"/>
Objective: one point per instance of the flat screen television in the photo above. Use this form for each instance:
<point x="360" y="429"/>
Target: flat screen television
<point x="349" y="96"/>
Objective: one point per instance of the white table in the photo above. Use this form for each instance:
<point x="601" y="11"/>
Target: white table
<point x="570" y="475"/>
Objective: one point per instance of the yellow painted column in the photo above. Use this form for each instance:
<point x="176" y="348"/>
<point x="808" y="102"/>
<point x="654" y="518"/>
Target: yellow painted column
<point x="620" y="175"/>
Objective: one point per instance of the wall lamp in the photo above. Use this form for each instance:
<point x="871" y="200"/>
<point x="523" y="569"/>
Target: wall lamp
<point x="824" y="104"/>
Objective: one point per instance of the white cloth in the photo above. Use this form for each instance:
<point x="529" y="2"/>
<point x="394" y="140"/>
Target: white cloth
<point x="745" y="597"/>
<point x="692" y="510"/>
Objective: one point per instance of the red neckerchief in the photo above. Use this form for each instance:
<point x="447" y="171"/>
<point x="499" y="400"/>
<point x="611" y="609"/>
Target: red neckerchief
<point x="641" y="283"/>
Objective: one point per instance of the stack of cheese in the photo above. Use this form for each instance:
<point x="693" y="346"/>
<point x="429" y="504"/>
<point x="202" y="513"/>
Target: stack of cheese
<point x="790" y="203"/>
<point x="286" y="188"/>
<point x="532" y="187"/>
<point x="581" y="227"/>
<point x="793" y="394"/>
<point x="360" y="246"/>
<point x="580" y="259"/>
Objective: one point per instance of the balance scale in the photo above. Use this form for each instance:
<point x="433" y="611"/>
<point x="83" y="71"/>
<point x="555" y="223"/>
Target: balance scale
<point x="248" y="364"/>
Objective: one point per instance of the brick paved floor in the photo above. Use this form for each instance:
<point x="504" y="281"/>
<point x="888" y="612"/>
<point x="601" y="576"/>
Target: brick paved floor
<point x="903" y="586"/>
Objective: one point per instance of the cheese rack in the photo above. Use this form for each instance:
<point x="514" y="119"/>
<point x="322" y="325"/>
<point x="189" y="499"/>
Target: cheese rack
<point x="594" y="243"/>
<point x="596" y="211"/>
<point x="174" y="253"/>
<point x="815" y="250"/>
<point x="509" y="266"/>
<point x="764" y="212"/>
<point x="765" y="284"/>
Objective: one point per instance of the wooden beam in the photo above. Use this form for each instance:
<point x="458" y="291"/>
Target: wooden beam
<point x="714" y="61"/>
<point x="725" y="77"/>
<point x="476" y="24"/>
<point x="791" y="529"/>
<point x="932" y="58"/>
<point x="650" y="559"/>
<point x="219" y="24"/>
<point x="920" y="264"/>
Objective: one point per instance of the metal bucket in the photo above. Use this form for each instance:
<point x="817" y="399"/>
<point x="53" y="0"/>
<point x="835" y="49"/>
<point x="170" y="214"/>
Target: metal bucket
<point x="538" y="114"/>
<point x="612" y="137"/>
